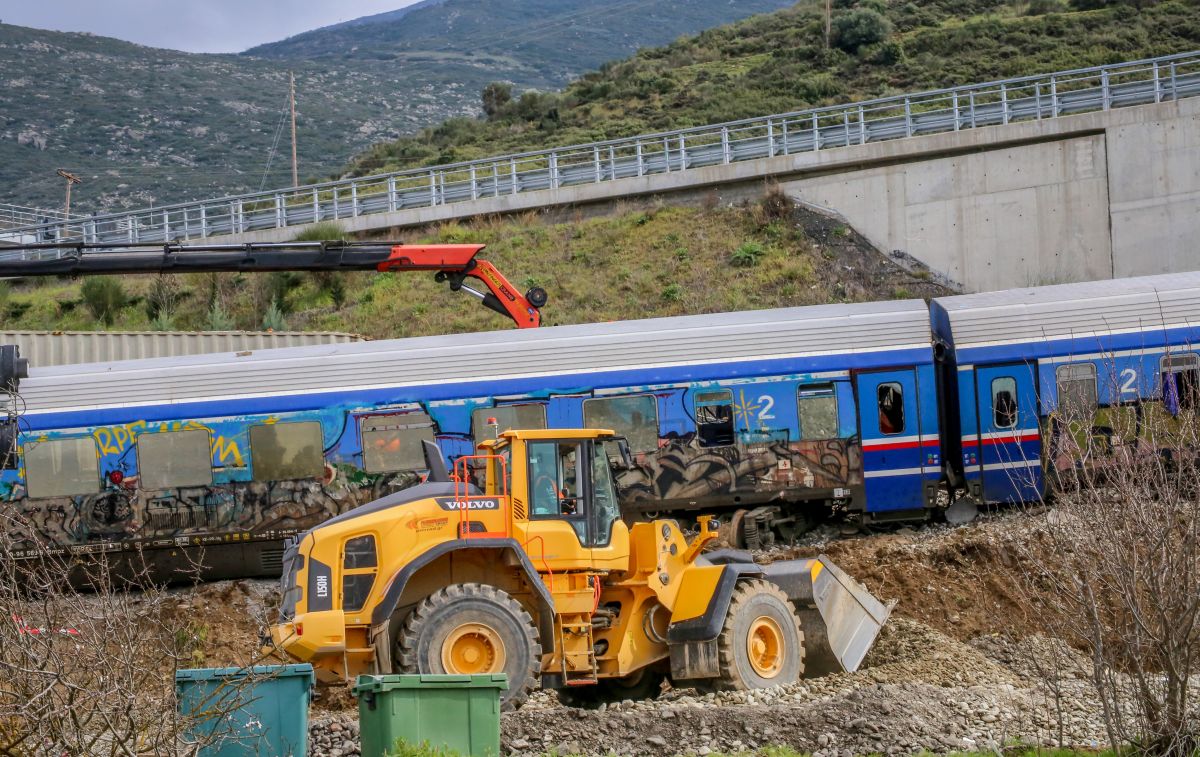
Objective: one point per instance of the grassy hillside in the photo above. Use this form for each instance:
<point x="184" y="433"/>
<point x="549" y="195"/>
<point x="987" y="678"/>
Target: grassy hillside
<point x="147" y="126"/>
<point x="779" y="62"/>
<point x="561" y="38"/>
<point x="636" y="263"/>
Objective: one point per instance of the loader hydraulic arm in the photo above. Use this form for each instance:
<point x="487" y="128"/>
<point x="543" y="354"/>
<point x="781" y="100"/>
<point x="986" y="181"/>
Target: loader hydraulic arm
<point x="452" y="263"/>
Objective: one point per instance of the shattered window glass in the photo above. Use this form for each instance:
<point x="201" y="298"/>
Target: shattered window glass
<point x="635" y="418"/>
<point x="171" y="459"/>
<point x="62" y="467"/>
<point x="714" y="418"/>
<point x="521" y="417"/>
<point x="818" y="411"/>
<point x="287" y="450"/>
<point x="1077" y="395"/>
<point x="393" y="442"/>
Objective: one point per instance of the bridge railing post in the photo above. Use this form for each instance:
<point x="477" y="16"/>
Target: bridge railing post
<point x="1105" y="93"/>
<point x="862" y="126"/>
<point x="337" y="209"/>
<point x="1157" y="84"/>
<point x="280" y="218"/>
<point x="1003" y="104"/>
<point x="641" y="165"/>
<point x="203" y="221"/>
<point x="816" y="130"/>
<point x="783" y="127"/>
<point x="495" y="179"/>
<point x="391" y="192"/>
<point x="432" y="189"/>
<point x="1174" y="83"/>
<point x="846" y="126"/>
<point x="1054" y="97"/>
<point x="553" y="165"/>
<point x="726" y="156"/>
<point x="596" y="163"/>
<point x="682" y="153"/>
<point x="908" y="123"/>
<point x="512" y="165"/>
<point x="770" y="138"/>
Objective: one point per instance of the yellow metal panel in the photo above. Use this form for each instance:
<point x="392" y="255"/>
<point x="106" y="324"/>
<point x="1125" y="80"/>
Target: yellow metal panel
<point x="697" y="586"/>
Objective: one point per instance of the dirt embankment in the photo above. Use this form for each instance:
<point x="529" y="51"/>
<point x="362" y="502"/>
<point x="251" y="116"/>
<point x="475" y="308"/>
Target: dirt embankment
<point x="955" y="669"/>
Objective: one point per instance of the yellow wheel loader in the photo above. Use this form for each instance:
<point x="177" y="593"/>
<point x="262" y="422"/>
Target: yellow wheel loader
<point x="535" y="575"/>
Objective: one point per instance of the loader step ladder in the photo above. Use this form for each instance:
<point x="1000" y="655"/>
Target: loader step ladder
<point x="579" y="666"/>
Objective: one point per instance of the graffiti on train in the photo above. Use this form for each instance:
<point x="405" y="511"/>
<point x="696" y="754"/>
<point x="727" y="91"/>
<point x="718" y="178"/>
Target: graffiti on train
<point x="126" y="513"/>
<point x="682" y="470"/>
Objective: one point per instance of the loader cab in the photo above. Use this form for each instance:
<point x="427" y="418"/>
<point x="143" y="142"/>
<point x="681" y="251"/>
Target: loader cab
<point x="564" y="498"/>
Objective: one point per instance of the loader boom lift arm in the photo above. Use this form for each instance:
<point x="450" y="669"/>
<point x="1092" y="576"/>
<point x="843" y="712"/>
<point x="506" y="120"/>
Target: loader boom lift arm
<point x="453" y="263"/>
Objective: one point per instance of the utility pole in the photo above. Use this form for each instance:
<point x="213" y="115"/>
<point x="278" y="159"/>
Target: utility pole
<point x="828" y="21"/>
<point x="71" y="179"/>
<point x="292" y="97"/>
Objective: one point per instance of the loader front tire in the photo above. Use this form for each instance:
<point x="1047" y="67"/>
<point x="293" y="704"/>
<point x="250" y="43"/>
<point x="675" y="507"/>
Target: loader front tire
<point x="472" y="629"/>
<point x="761" y="643"/>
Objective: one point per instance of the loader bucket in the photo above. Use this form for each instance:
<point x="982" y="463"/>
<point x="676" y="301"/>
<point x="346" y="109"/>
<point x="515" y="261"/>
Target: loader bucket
<point x="843" y="627"/>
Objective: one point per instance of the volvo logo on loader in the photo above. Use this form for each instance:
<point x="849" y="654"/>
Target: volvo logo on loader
<point x="450" y="503"/>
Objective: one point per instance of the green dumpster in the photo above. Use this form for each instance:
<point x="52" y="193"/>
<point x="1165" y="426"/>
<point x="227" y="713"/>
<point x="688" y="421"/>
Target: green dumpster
<point x="455" y="712"/>
<point x="246" y="711"/>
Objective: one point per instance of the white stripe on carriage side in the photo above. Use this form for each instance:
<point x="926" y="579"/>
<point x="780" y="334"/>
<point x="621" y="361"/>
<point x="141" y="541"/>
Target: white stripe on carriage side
<point x="893" y="472"/>
<point x="1018" y="464"/>
<point x="1027" y="435"/>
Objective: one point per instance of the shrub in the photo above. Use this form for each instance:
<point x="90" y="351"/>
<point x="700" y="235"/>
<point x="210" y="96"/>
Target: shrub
<point x="747" y="255"/>
<point x="325" y="231"/>
<point x="104" y="298"/>
<point x="494" y="97"/>
<point x="672" y="293"/>
<point x="273" y="319"/>
<point x="218" y="319"/>
<point x="859" y="28"/>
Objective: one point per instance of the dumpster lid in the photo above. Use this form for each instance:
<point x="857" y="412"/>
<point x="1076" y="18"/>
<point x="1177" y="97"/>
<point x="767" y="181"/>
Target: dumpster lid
<point x="266" y="671"/>
<point x="375" y="684"/>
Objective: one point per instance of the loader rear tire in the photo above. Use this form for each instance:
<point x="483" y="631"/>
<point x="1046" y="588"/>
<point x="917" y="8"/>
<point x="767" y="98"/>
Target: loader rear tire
<point x="472" y="629"/>
<point x="761" y="643"/>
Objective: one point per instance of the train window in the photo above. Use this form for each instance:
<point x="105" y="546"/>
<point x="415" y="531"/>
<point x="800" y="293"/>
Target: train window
<point x="635" y="418"/>
<point x="891" y="408"/>
<point x="522" y="416"/>
<point x="287" y="450"/>
<point x="62" y="467"/>
<point x="818" y="411"/>
<point x="1004" y="402"/>
<point x="393" y="442"/>
<point x="1180" y="381"/>
<point x="173" y="459"/>
<point x="1077" y="389"/>
<point x="714" y="418"/>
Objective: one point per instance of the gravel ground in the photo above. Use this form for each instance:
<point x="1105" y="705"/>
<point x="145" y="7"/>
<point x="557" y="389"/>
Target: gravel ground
<point x="918" y="690"/>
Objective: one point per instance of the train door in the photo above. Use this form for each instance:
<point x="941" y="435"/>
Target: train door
<point x="890" y="425"/>
<point x="1009" y="441"/>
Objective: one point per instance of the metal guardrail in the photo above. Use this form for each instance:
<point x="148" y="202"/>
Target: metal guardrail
<point x="993" y="103"/>
<point x="17" y="216"/>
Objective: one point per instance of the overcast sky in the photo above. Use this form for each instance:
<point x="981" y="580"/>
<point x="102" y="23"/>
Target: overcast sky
<point x="199" y="26"/>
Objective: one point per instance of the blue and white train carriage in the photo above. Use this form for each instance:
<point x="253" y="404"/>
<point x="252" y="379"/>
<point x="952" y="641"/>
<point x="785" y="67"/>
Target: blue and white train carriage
<point x="746" y="411"/>
<point x="880" y="411"/>
<point x="1024" y="368"/>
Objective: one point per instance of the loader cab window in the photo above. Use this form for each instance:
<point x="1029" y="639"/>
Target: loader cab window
<point x="714" y="418"/>
<point x="554" y="479"/>
<point x="605" y="507"/>
<point x="565" y="483"/>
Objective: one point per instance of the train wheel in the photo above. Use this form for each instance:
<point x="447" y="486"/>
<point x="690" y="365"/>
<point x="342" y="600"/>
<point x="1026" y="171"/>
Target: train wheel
<point x="761" y="643"/>
<point x="644" y="684"/>
<point x="472" y="629"/>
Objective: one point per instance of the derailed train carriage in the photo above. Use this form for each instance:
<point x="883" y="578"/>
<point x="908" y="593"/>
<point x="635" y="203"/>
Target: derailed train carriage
<point x="875" y="411"/>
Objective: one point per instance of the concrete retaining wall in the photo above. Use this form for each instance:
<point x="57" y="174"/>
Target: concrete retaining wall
<point x="1074" y="198"/>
